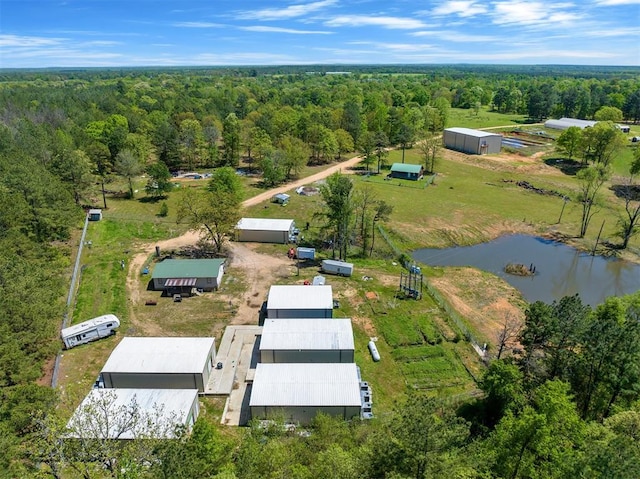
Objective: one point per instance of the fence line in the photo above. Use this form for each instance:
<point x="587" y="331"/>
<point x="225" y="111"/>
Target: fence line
<point x="70" y="296"/>
<point x="442" y="302"/>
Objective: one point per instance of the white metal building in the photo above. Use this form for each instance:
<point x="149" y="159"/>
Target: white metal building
<point x="298" y="392"/>
<point x="564" y="123"/>
<point x="265" y="230"/>
<point x="103" y="413"/>
<point x="160" y="363"/>
<point x="300" y="301"/>
<point x="310" y="340"/>
<point x="475" y="142"/>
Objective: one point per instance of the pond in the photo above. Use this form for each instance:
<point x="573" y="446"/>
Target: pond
<point x="560" y="270"/>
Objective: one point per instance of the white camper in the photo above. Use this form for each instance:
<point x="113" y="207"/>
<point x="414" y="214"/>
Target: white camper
<point x="90" y="330"/>
<point x="337" y="267"/>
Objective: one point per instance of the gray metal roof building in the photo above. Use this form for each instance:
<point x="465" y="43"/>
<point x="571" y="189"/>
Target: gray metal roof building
<point x="475" y="142"/>
<point x="300" y="301"/>
<point x="298" y="392"/>
<point x="184" y="274"/>
<point x="307" y="340"/>
<point x="564" y="123"/>
<point x="264" y="230"/>
<point x="102" y="413"/>
<point x="160" y="363"/>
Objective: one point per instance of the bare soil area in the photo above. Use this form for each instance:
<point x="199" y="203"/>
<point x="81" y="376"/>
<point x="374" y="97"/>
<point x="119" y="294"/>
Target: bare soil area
<point x="484" y="300"/>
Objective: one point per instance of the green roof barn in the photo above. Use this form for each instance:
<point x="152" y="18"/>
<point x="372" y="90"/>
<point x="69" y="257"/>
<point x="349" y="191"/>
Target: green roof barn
<point x="407" y="171"/>
<point x="180" y="275"/>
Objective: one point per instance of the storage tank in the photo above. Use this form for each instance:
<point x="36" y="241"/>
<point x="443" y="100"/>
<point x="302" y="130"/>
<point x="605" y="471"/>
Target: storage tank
<point x="374" y="351"/>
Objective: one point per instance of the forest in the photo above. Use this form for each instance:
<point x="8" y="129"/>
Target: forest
<point x="567" y="406"/>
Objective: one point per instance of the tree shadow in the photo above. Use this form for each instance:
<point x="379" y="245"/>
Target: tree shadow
<point x="626" y="191"/>
<point x="151" y="199"/>
<point x="567" y="166"/>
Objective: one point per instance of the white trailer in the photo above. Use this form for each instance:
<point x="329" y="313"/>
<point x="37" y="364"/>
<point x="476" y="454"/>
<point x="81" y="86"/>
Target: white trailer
<point x="90" y="330"/>
<point x="337" y="267"/>
<point x="306" y="253"/>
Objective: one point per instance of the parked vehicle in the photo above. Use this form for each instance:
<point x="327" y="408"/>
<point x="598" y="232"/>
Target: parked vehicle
<point x="306" y="253"/>
<point x="337" y="267"/>
<point x="91" y="330"/>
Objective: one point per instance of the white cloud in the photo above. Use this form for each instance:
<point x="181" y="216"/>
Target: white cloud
<point x="291" y="11"/>
<point x="259" y="28"/>
<point x="462" y="8"/>
<point x="27" y="42"/>
<point x="396" y="47"/>
<point x="523" y="12"/>
<point x="613" y="3"/>
<point x="198" y="25"/>
<point x="384" y="22"/>
<point x="452" y="36"/>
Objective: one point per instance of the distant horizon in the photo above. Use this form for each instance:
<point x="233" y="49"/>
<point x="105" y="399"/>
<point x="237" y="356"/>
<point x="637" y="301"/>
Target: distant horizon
<point x="38" y="34"/>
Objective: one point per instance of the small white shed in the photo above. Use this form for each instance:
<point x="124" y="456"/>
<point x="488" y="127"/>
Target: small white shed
<point x="298" y="392"/>
<point x="300" y="301"/>
<point x="265" y="230"/>
<point x="307" y="340"/>
<point x="106" y="413"/>
<point x="90" y="330"/>
<point x="160" y="363"/>
<point x="475" y="142"/>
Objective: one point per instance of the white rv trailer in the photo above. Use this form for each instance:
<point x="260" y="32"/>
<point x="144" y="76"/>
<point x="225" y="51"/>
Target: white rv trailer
<point x="90" y="330"/>
<point x="337" y="267"/>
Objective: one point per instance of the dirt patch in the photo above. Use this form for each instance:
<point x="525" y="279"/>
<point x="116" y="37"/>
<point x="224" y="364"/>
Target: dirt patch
<point x="511" y="162"/>
<point x="366" y="325"/>
<point x="484" y="300"/>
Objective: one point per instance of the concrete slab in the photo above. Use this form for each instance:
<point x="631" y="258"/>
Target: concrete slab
<point x="236" y="347"/>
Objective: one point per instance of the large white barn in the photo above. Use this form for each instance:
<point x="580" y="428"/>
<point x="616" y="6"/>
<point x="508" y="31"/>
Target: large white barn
<point x="474" y="142"/>
<point x="160" y="363"/>
<point x="308" y="340"/>
<point x="564" y="123"/>
<point x="300" y="301"/>
<point x="134" y="413"/>
<point x="265" y="230"/>
<point x="298" y="392"/>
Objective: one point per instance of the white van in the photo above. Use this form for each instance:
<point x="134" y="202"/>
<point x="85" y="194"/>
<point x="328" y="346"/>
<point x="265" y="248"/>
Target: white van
<point x="90" y="330"/>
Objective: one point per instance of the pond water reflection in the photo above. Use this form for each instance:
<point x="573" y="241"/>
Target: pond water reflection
<point x="560" y="270"/>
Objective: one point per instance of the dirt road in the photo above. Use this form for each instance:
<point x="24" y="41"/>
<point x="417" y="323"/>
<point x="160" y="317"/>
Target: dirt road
<point x="261" y="270"/>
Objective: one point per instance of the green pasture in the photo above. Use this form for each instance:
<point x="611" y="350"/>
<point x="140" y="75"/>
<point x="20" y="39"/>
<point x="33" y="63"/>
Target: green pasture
<point x="459" y="117"/>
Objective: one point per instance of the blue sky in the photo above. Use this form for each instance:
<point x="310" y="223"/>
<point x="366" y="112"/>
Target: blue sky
<point x="93" y="33"/>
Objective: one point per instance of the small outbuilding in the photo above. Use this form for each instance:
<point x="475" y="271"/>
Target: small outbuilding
<point x="300" y="301"/>
<point x="298" y="392"/>
<point x="95" y="215"/>
<point x="265" y="230"/>
<point x="134" y="413"/>
<point x="160" y="363"/>
<point x="565" y="123"/>
<point x="406" y="171"/>
<point x="474" y="142"/>
<point x="181" y="275"/>
<point x="307" y="341"/>
<point x="281" y="199"/>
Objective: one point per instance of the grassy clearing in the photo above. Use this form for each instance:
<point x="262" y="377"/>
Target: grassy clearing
<point x="484" y="119"/>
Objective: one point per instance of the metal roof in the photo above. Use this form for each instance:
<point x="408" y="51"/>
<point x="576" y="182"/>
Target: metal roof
<point x="187" y="268"/>
<point x="309" y="334"/>
<point x="296" y="296"/>
<point x="309" y="384"/>
<point x="264" y="224"/>
<point x="406" y="168"/>
<point x="89" y="324"/>
<point x="166" y="408"/>
<point x="564" y="123"/>
<point x="159" y="355"/>
<point x="471" y="132"/>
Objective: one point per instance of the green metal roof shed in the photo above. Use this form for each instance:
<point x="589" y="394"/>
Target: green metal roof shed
<point x="407" y="171"/>
<point x="205" y="274"/>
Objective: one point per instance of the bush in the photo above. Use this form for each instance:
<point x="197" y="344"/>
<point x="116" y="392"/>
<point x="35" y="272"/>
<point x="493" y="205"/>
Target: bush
<point x="164" y="209"/>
